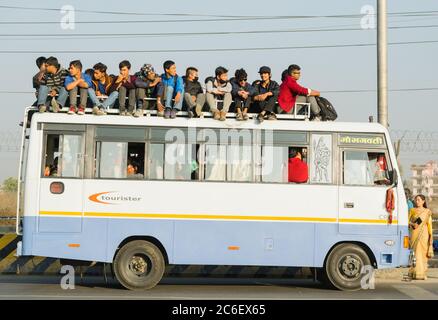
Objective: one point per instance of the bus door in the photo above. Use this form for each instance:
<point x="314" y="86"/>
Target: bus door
<point x="61" y="187"/>
<point x="362" y="193"/>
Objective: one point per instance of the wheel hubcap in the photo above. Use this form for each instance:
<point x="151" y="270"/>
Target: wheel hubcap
<point x="138" y="265"/>
<point x="350" y="266"/>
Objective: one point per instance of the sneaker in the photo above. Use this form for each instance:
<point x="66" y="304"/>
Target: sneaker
<point x="160" y="110"/>
<point x="223" y="116"/>
<point x="198" y="111"/>
<point x="317" y="118"/>
<point x="98" y="111"/>
<point x="245" y="116"/>
<point x="216" y="115"/>
<point x="123" y="113"/>
<point x="42" y="109"/>
<point x="272" y="116"/>
<point x="173" y="113"/>
<point x="261" y="117"/>
<point x="72" y="110"/>
<point x="81" y="110"/>
<point x="55" y="105"/>
<point x="190" y="114"/>
<point x="167" y="113"/>
<point x="239" y="116"/>
<point x="138" y="113"/>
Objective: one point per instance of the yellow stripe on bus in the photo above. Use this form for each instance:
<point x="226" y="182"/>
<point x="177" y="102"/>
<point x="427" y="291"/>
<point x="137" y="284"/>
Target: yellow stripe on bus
<point x="366" y="221"/>
<point x="210" y="216"/>
<point x="203" y="216"/>
<point x="60" y="213"/>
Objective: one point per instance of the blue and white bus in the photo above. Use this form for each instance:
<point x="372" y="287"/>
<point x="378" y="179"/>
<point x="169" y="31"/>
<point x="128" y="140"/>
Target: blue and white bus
<point x="143" y="193"/>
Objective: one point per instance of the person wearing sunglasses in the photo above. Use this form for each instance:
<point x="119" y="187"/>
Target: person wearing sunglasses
<point x="242" y="93"/>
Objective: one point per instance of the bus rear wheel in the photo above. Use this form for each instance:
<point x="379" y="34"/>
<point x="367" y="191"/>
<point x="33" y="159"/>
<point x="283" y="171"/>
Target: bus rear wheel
<point x="344" y="266"/>
<point x="139" y="265"/>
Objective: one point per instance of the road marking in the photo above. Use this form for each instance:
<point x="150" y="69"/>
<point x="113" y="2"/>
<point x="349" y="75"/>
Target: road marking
<point x="415" y="292"/>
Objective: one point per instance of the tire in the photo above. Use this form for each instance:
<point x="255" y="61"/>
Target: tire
<point x="344" y="265"/>
<point x="139" y="265"/>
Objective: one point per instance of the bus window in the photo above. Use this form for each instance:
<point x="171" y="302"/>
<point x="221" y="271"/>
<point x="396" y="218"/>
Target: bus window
<point x="275" y="164"/>
<point x="120" y="160"/>
<point x="156" y="161"/>
<point x="180" y="161"/>
<point x="173" y="161"/>
<point x="365" y="168"/>
<point x="63" y="156"/>
<point x="240" y="164"/>
<point x="215" y="162"/>
<point x="135" y="167"/>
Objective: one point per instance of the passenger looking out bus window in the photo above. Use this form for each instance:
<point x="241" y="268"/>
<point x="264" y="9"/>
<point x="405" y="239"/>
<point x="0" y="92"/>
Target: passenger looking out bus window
<point x="298" y="169"/>
<point x="52" y="170"/>
<point x="132" y="170"/>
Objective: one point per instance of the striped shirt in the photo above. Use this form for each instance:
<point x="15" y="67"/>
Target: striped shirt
<point x="55" y="81"/>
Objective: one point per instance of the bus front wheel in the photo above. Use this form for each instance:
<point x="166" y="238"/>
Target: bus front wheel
<point x="344" y="266"/>
<point x="139" y="265"/>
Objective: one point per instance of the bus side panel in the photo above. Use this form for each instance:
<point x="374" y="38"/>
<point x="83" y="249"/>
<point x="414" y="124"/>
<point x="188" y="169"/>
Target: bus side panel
<point x="244" y="243"/>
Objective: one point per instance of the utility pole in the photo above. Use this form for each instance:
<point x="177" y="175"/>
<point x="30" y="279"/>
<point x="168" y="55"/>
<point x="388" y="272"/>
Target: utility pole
<point x="382" y="60"/>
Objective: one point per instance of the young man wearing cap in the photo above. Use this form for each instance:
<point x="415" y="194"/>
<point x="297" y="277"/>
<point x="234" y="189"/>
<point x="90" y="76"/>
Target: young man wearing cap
<point x="219" y="88"/>
<point x="102" y="83"/>
<point x="291" y="92"/>
<point x="147" y="87"/>
<point x="266" y="95"/>
<point x="194" y="96"/>
<point x="170" y="88"/>
<point x="77" y="82"/>
<point x="242" y="93"/>
<point x="52" y="84"/>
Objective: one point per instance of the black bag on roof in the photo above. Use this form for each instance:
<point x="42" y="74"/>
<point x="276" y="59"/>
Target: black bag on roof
<point x="328" y="112"/>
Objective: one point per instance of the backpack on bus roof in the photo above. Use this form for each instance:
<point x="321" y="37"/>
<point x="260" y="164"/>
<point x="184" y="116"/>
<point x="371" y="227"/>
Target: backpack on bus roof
<point x="328" y="112"/>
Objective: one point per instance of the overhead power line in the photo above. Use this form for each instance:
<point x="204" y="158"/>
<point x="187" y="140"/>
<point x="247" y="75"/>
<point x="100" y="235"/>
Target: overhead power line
<point x="213" y="49"/>
<point x="403" y="14"/>
<point x="211" y="33"/>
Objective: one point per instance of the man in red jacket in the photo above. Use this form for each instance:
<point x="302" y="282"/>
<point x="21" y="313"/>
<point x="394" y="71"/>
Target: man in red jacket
<point x="291" y="92"/>
<point x="298" y="169"/>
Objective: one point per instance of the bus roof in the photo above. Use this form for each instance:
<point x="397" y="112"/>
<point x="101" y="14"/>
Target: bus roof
<point x="181" y="122"/>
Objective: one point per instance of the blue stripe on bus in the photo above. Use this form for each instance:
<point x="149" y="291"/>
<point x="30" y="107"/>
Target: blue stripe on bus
<point x="209" y="242"/>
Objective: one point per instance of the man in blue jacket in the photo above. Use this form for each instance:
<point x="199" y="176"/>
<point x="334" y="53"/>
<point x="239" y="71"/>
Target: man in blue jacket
<point x="170" y="88"/>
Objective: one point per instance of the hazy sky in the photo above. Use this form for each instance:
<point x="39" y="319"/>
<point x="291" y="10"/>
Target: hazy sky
<point x="326" y="69"/>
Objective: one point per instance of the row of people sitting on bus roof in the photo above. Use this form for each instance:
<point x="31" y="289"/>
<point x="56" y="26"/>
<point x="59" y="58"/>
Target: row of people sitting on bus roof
<point x="55" y="84"/>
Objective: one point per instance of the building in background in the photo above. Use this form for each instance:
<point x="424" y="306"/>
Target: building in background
<point x="424" y="180"/>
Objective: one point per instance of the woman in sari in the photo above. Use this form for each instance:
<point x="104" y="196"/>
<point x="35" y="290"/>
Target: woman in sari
<point x="420" y="224"/>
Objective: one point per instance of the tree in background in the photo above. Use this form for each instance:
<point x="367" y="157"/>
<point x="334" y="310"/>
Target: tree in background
<point x="10" y="185"/>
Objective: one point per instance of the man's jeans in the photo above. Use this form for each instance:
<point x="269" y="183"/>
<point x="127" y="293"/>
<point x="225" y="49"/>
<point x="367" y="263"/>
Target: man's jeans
<point x="212" y="101"/>
<point x="122" y="99"/>
<point x="107" y="103"/>
<point x="314" y="108"/>
<point x="168" y="99"/>
<point x="83" y="95"/>
<point x="199" y="103"/>
<point x="43" y="93"/>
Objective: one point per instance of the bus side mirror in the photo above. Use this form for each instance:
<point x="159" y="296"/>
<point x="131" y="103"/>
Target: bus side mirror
<point x="393" y="176"/>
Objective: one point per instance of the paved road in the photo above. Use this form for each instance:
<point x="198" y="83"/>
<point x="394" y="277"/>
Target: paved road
<point x="48" y="287"/>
